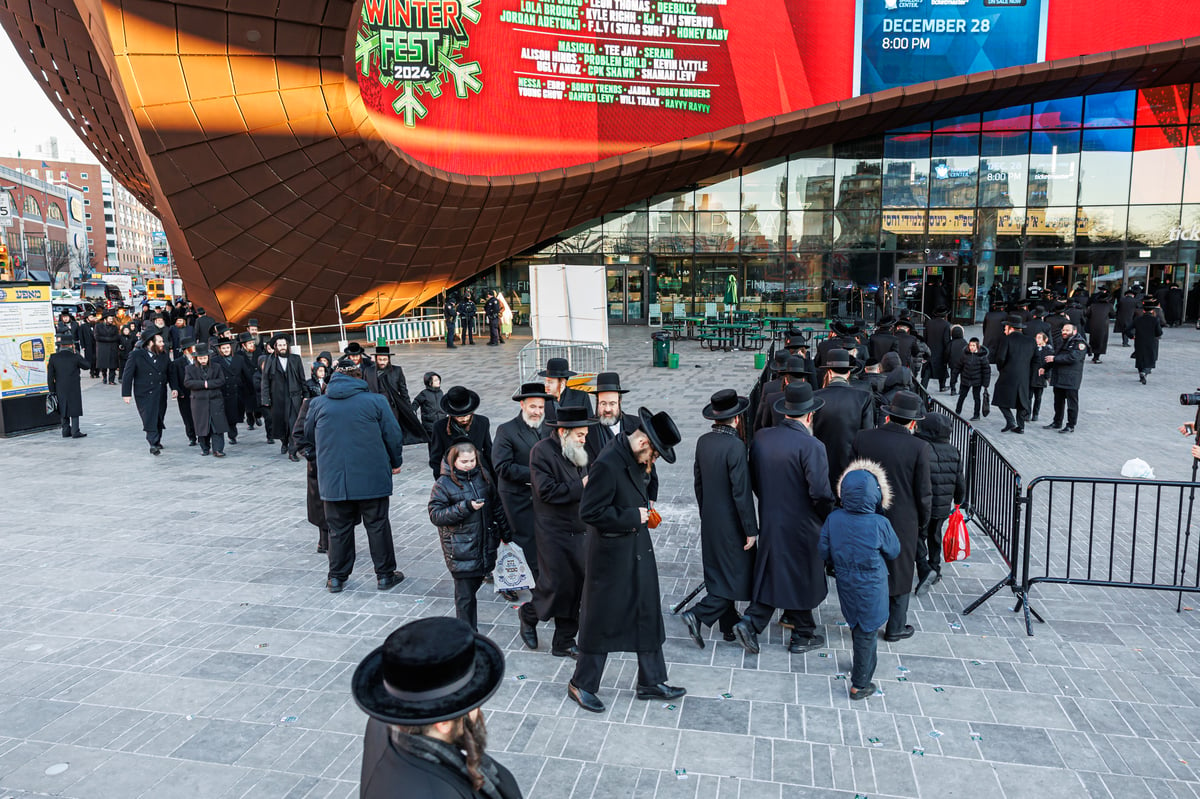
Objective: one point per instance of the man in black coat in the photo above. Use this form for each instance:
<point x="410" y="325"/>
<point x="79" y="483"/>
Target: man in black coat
<point x="1067" y="376"/>
<point x="611" y="420"/>
<point x="728" y="522"/>
<point x="388" y="379"/>
<point x="175" y="377"/>
<point x="282" y="391"/>
<point x="67" y="324"/>
<point x="1146" y="331"/>
<point x="1037" y="324"/>
<point x="847" y="411"/>
<point x="466" y="318"/>
<point x="87" y="343"/>
<point x="621" y="610"/>
<point x="245" y="367"/>
<point x="231" y="389"/>
<point x="1096" y="320"/>
<point x="558" y="474"/>
<point x="62" y="380"/>
<point x="510" y="462"/>
<point x="450" y="314"/>
<point x="993" y="328"/>
<point x="906" y="345"/>
<point x="937" y="336"/>
<point x="459" y="405"/>
<point x="795" y="370"/>
<point x="1017" y="361"/>
<point x="145" y="380"/>
<point x="790" y="474"/>
<point x="491" y="312"/>
<point x="905" y="459"/>
<point x="108" y="342"/>
<point x="555" y="377"/>
<point x="204" y="325"/>
<point x="1126" y="308"/>
<point x="883" y="340"/>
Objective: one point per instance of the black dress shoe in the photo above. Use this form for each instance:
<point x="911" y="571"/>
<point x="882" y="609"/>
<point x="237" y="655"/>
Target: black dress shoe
<point x="155" y="450"/>
<point x="570" y="652"/>
<point x="908" y="633"/>
<point x="270" y="440"/>
<point x="528" y="632"/>
<point x="1067" y="429"/>
<point x="322" y="550"/>
<point x="660" y="691"/>
<point x="746" y="636"/>
<point x="1020" y="430"/>
<point x="232" y="440"/>
<point x="79" y="435"/>
<point x="390" y="581"/>
<point x="218" y="454"/>
<point x="293" y="457"/>
<point x="192" y="443"/>
<point x="1006" y="428"/>
<point x="1051" y="426"/>
<point x="66" y="434"/>
<point x="729" y="636"/>
<point x="693" y="625"/>
<point x="585" y="699"/>
<point x="204" y="453"/>
<point x="335" y="585"/>
<point x="863" y="693"/>
<point x="800" y="644"/>
<point x="510" y="596"/>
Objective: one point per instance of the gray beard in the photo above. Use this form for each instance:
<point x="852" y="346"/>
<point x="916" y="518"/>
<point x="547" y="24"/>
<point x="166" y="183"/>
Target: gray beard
<point x="575" y="453"/>
<point x="613" y="422"/>
<point x="531" y="425"/>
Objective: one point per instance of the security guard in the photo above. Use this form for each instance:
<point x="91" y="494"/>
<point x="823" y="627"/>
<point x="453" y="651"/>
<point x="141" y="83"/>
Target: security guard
<point x="1066" y="376"/>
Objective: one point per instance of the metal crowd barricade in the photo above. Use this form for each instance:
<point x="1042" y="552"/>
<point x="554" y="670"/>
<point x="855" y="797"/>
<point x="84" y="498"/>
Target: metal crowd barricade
<point x="588" y="358"/>
<point x="1109" y="533"/>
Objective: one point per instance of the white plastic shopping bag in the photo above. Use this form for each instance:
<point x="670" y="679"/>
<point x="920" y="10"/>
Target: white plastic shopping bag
<point x="512" y="570"/>
<point x="1137" y="468"/>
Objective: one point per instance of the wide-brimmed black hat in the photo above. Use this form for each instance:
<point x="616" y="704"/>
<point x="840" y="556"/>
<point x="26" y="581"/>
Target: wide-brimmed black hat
<point x="1149" y="302"/>
<point x="796" y="340"/>
<point x="354" y="348"/>
<point x="149" y="333"/>
<point x="1014" y="321"/>
<point x="66" y="340"/>
<point x="844" y="328"/>
<point x="796" y="366"/>
<point x="530" y="391"/>
<point x="429" y="670"/>
<point x="609" y="381"/>
<point x="840" y="359"/>
<point x="109" y="315"/>
<point x="202" y="349"/>
<point x="570" y="416"/>
<point x="798" y="400"/>
<point x="224" y="342"/>
<point x="187" y="342"/>
<point x="251" y="323"/>
<point x="725" y="404"/>
<point x="905" y="405"/>
<point x="220" y="328"/>
<point x="661" y="430"/>
<point x="460" y="401"/>
<point x="941" y="310"/>
<point x="244" y="338"/>
<point x="887" y="320"/>
<point x="271" y="341"/>
<point x="906" y="321"/>
<point x="781" y="356"/>
<point x="385" y="350"/>
<point x="557" y="367"/>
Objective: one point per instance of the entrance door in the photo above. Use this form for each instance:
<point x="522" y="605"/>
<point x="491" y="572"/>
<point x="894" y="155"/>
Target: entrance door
<point x="910" y="287"/>
<point x="626" y="295"/>
<point x="1034" y="285"/>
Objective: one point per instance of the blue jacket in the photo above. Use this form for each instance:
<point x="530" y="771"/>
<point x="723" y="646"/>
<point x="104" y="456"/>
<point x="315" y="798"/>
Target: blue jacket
<point x="857" y="538"/>
<point x="357" y="440"/>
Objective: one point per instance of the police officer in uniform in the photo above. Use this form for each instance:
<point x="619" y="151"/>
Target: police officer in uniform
<point x="1066" y="377"/>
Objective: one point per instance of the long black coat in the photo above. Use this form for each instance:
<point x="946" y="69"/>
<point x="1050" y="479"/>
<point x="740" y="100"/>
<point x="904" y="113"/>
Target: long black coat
<point x="390" y="383"/>
<point x="727" y="517"/>
<point x="388" y="772"/>
<point x="108" y="343"/>
<point x="557" y="488"/>
<point x="599" y="436"/>
<point x="905" y="459"/>
<point x="1016" y="360"/>
<point x="1146" y="330"/>
<point x="444" y="431"/>
<point x="245" y="368"/>
<point x="510" y="462"/>
<point x="882" y="342"/>
<point x="312" y="481"/>
<point x="145" y="379"/>
<point x="283" y="391"/>
<point x="1096" y="319"/>
<point x="621" y="609"/>
<point x="790" y="474"/>
<point x="1126" y="307"/>
<point x="993" y="332"/>
<point x="208" y="406"/>
<point x="1173" y="305"/>
<point x="231" y="393"/>
<point x="62" y="379"/>
<point x="87" y="341"/>
<point x="847" y="410"/>
<point x="937" y="336"/>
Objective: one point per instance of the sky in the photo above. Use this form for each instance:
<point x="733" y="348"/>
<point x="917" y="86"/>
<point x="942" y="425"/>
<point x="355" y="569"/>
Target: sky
<point x="36" y="118"/>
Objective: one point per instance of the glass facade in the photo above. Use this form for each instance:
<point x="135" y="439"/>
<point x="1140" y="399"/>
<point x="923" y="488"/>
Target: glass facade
<point x="1094" y="192"/>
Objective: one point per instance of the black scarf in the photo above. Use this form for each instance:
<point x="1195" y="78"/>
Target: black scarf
<point x="449" y="756"/>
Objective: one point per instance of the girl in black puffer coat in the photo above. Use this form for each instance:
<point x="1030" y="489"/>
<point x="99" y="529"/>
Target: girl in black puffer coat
<point x="974" y="373"/>
<point x="949" y="487"/>
<point x="465" y="507"/>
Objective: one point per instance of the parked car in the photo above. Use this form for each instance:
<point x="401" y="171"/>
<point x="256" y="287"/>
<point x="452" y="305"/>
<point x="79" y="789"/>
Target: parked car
<point x="105" y="295"/>
<point x="76" y="308"/>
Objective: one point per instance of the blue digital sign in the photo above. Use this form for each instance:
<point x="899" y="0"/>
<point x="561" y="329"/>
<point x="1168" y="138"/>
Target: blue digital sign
<point x="901" y="42"/>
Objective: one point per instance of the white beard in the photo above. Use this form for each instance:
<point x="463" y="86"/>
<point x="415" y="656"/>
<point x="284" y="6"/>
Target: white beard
<point x="575" y="453"/>
<point x="610" y="422"/>
<point x="532" y="425"/>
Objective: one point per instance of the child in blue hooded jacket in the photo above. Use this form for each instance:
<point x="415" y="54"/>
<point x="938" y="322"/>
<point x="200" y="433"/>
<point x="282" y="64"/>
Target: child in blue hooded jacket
<point x="858" y="539"/>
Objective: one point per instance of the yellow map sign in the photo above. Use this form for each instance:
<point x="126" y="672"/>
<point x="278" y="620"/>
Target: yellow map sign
<point x="26" y="338"/>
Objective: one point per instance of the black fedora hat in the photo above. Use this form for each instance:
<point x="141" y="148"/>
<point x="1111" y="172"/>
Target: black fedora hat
<point x="780" y="360"/>
<point x="796" y="366"/>
<point x="149" y="333"/>
<point x="186" y="343"/>
<point x="66" y="340"/>
<point x="530" y="391"/>
<point x="887" y="320"/>
<point x="245" y="338"/>
<point x="278" y="336"/>
<point x="353" y="348"/>
<point x="905" y="405"/>
<point x="251" y="323"/>
<point x="224" y="342"/>
<point x="1149" y="302"/>
<point x="220" y="328"/>
<point x="609" y="381"/>
<point x="202" y="349"/>
<point x="844" y="328"/>
<point x="796" y="339"/>
<point x="725" y="404"/>
<point x="570" y="416"/>
<point x="1014" y="321"/>
<point x="557" y="367"/>
<point x="384" y="350"/>
<point x="460" y="401"/>
<point x="661" y="430"/>
<point x="429" y="670"/>
<point x="798" y="400"/>
<point x="840" y="359"/>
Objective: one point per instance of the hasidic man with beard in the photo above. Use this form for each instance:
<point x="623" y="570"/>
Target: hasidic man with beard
<point x="145" y="380"/>
<point x="510" y="461"/>
<point x="558" y="474"/>
<point x="611" y="419"/>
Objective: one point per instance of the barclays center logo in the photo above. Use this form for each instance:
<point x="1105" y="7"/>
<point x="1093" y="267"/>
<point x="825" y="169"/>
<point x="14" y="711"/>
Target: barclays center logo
<point x="895" y="5"/>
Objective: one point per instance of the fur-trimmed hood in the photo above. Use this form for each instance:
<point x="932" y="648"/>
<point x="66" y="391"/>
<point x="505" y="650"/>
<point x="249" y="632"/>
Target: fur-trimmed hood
<point x="864" y="487"/>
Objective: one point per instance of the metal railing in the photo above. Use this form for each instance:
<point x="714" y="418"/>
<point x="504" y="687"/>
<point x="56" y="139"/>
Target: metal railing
<point x="584" y="357"/>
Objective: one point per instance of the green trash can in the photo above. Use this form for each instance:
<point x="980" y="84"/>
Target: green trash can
<point x="662" y="349"/>
<point x="674" y="360"/>
<point x="760" y="360"/>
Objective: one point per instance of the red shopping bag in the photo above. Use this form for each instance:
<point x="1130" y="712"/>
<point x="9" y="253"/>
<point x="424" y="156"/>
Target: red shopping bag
<point x="956" y="544"/>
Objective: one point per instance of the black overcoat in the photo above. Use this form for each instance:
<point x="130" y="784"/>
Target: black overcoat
<point x="1146" y="330"/>
<point x="62" y="379"/>
<point x="600" y="436"/>
<point x="87" y="341"/>
<point x="208" y="405"/>
<point x="1173" y="305"/>
<point x="231" y="391"/>
<point x="937" y="336"/>
<point x="1126" y="308"/>
<point x="621" y="609"/>
<point x="145" y="379"/>
<point x="312" y="481"/>
<point x="790" y="474"/>
<point x="446" y="430"/>
<point x="993" y="332"/>
<point x="510" y="463"/>
<point x="882" y="342"/>
<point x="390" y="383"/>
<point x="245" y="367"/>
<point x="727" y="517"/>
<point x="847" y="410"/>
<point x="557" y="488"/>
<point x="1096" y="319"/>
<point x="1066" y="370"/>
<point x="905" y="459"/>
<point x="1016" y="360"/>
<point x="283" y="391"/>
<point x="108" y="343"/>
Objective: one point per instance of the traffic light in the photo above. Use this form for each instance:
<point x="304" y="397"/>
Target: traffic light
<point x="6" y="266"/>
